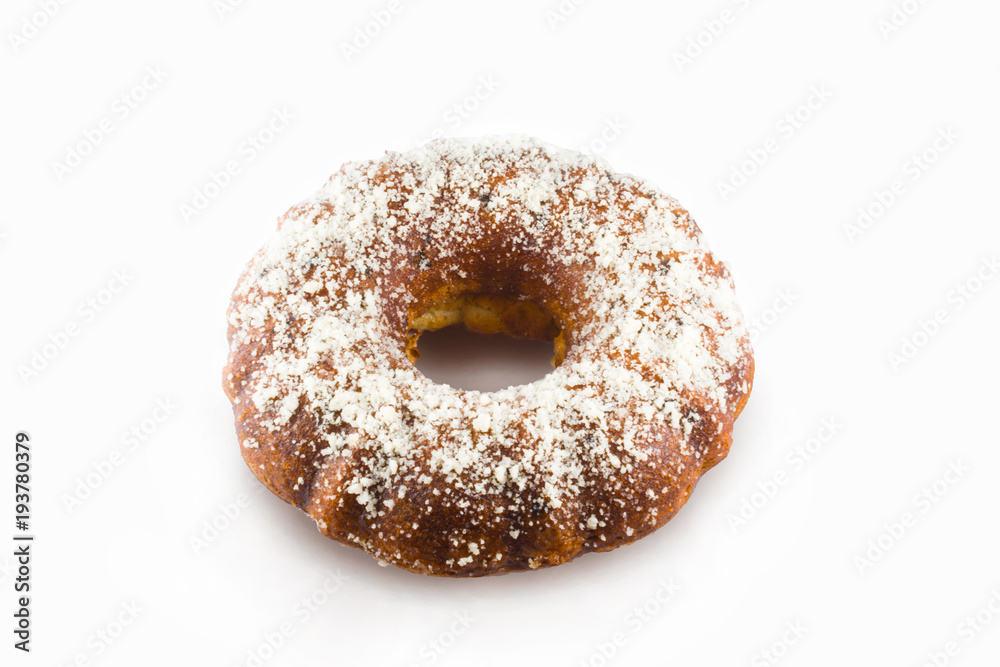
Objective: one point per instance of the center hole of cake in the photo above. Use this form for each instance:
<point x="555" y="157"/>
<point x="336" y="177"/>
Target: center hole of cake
<point x="484" y="362"/>
<point x="485" y="342"/>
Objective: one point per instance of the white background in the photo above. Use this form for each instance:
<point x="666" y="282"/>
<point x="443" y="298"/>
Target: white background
<point x="826" y="550"/>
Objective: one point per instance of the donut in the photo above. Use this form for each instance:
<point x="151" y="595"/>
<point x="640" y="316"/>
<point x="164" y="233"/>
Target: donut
<point x="652" y="361"/>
